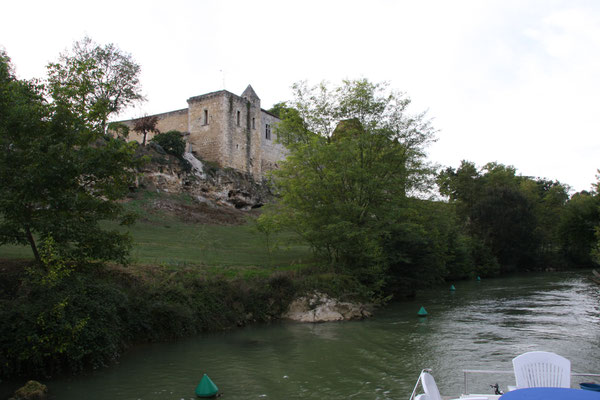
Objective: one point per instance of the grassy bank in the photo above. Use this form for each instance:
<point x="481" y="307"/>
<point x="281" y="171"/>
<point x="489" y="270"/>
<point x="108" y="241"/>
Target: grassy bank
<point x="168" y="233"/>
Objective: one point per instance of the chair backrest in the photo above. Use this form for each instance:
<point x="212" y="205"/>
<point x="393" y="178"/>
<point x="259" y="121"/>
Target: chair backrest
<point x="542" y="369"/>
<point x="429" y="387"/>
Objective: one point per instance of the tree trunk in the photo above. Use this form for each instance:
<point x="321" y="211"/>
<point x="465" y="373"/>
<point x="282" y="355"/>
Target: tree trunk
<point x="31" y="240"/>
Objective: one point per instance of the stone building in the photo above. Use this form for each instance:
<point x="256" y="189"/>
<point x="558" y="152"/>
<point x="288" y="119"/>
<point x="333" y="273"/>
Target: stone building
<point x="230" y="130"/>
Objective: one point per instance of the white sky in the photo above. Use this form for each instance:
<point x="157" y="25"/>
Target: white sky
<point x="517" y="82"/>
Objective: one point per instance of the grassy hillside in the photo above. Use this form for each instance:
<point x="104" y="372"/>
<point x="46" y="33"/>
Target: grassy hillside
<point x="176" y="231"/>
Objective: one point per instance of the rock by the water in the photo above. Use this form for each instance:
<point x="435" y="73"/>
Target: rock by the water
<point x="319" y="307"/>
<point x="33" y="390"/>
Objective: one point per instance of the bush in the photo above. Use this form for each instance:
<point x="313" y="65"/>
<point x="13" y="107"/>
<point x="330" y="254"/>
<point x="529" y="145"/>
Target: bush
<point x="172" y="142"/>
<point x="66" y="319"/>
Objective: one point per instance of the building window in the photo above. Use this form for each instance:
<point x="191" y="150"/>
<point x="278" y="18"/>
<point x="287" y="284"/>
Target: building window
<point x="253" y="124"/>
<point x="205" y="117"/>
<point x="268" y="132"/>
<point x="238" y="118"/>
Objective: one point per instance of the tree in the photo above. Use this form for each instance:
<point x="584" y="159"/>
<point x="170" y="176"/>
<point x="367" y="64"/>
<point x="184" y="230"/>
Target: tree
<point x="96" y="81"/>
<point x="578" y="227"/>
<point x="120" y="129"/>
<point x="355" y="154"/>
<point x="145" y="125"/>
<point x="515" y="217"/>
<point x="59" y="177"/>
<point x="278" y="109"/>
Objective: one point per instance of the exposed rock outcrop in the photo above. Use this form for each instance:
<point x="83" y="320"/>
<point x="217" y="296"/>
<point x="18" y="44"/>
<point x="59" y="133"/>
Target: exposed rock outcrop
<point x="319" y="307"/>
<point x="208" y="184"/>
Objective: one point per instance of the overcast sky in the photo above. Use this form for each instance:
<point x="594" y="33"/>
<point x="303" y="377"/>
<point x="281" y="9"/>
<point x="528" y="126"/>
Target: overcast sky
<point x="517" y="82"/>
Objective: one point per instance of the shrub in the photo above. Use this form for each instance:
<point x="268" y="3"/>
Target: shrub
<point x="69" y="318"/>
<point x="172" y="142"/>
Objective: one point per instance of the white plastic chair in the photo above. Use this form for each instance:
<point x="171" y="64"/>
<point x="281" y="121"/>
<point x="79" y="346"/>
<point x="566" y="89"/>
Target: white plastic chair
<point x="542" y="369"/>
<point x="430" y="387"/>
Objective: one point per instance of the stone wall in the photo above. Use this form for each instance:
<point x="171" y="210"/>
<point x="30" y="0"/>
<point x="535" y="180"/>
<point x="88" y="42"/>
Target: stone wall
<point x="174" y="120"/>
<point x="206" y="127"/>
<point x="271" y="151"/>
<point x="240" y="145"/>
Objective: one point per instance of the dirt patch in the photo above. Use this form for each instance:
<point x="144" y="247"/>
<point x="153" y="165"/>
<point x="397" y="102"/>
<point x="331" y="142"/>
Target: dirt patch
<point x="191" y="210"/>
<point x="203" y="213"/>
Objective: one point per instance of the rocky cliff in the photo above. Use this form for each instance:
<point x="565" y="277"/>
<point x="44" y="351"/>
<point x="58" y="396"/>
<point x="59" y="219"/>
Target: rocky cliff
<point x="206" y="183"/>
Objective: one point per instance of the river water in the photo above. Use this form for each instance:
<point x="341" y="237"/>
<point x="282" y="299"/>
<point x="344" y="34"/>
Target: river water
<point x="482" y="325"/>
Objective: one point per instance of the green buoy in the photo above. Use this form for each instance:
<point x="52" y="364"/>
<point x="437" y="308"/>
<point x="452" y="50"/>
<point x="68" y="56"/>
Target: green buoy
<point x="422" y="312"/>
<point x="452" y="288"/>
<point x="478" y="279"/>
<point x="206" y="388"/>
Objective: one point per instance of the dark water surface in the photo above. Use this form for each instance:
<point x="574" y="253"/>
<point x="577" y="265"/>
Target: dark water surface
<point x="482" y="325"/>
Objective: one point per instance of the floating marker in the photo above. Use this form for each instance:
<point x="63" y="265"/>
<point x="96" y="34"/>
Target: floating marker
<point x="478" y="279"/>
<point x="452" y="288"/>
<point x="206" y="388"/>
<point x="422" y="312"/>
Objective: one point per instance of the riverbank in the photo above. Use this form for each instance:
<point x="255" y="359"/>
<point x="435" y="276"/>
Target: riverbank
<point x="86" y="317"/>
<point x="481" y="325"/>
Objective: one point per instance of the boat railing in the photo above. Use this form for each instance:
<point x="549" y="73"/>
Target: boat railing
<point x="412" y="396"/>
<point x="480" y="371"/>
<point x="485" y="371"/>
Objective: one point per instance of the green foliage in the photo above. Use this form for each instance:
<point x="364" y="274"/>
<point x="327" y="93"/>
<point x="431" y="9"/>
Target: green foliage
<point x="278" y="109"/>
<point x="60" y="177"/>
<point x="426" y="245"/>
<point x="59" y="321"/>
<point x="94" y="81"/>
<point x="514" y="218"/>
<point x="86" y="320"/>
<point x="345" y="287"/>
<point x="578" y="227"/>
<point x="120" y="129"/>
<point x="172" y="142"/>
<point x="355" y="153"/>
<point x="269" y="225"/>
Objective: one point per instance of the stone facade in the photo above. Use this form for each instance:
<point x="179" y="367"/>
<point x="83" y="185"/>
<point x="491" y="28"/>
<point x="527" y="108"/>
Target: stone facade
<point x="230" y="130"/>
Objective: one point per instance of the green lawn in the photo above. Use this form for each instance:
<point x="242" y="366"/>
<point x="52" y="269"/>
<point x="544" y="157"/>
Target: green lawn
<point x="180" y="244"/>
<point x="162" y="239"/>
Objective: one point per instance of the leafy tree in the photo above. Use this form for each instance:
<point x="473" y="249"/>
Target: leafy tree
<point x="578" y="227"/>
<point x="60" y="177"/>
<point x="146" y="125"/>
<point x="549" y="199"/>
<point x="278" y="109"/>
<point x="120" y="129"/>
<point x="515" y="217"/>
<point x="172" y="141"/>
<point x="95" y="81"/>
<point x="355" y="153"/>
<point x="503" y="218"/>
